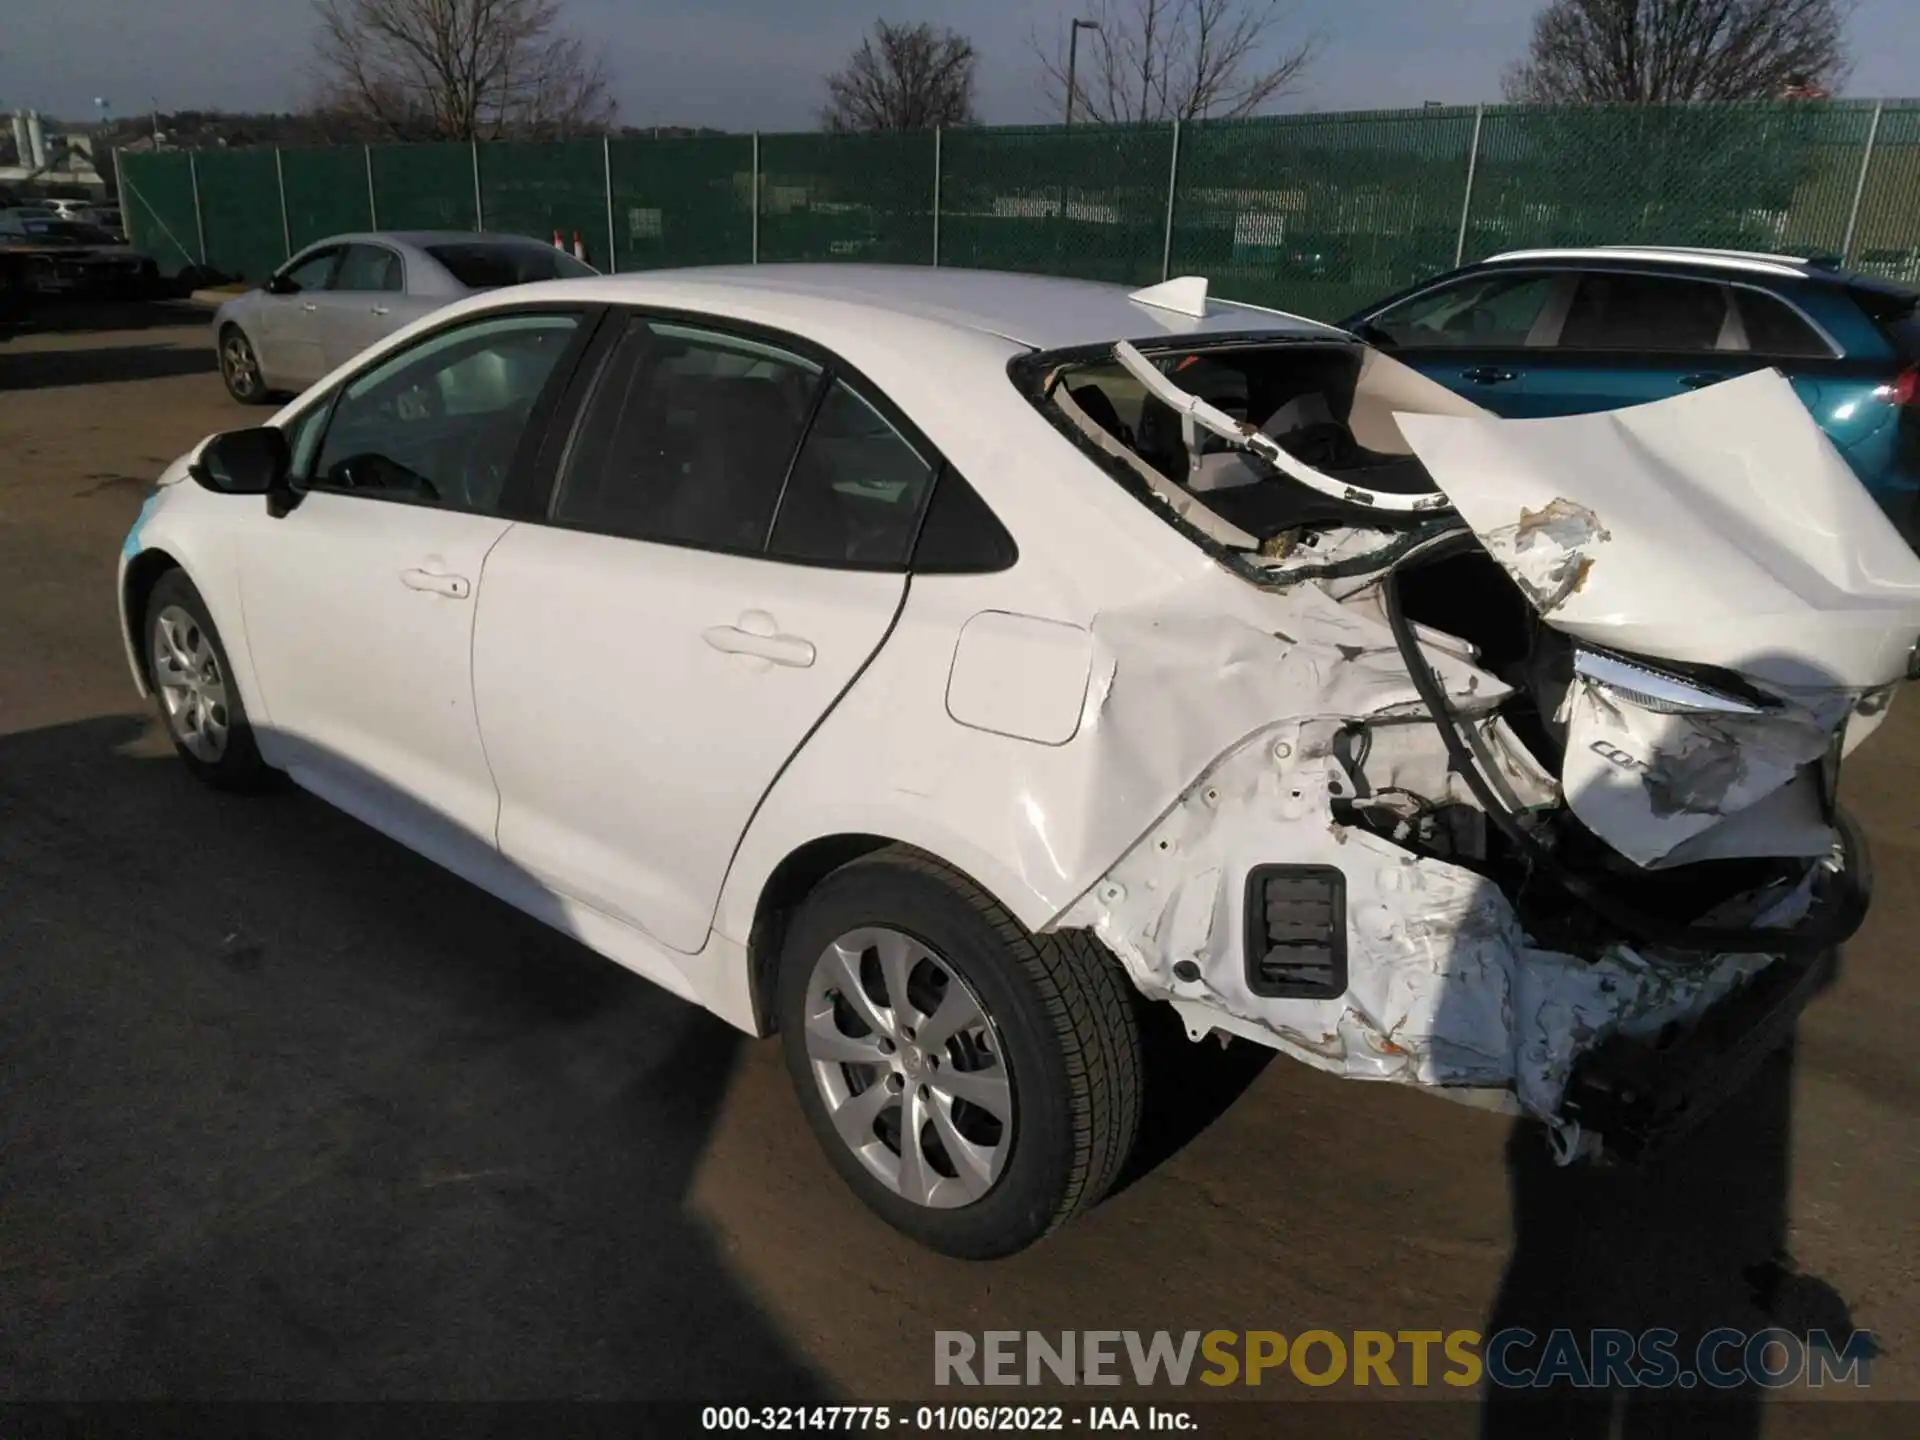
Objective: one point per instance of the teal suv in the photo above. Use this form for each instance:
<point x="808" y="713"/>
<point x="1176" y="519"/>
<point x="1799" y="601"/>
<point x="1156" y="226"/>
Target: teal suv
<point x="1563" y="332"/>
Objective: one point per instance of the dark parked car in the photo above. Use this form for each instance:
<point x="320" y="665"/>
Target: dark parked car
<point x="1562" y="332"/>
<point x="55" y="257"/>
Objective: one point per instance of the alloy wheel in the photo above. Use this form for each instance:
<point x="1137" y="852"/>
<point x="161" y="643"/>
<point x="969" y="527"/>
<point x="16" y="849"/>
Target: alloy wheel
<point x="241" y="370"/>
<point x="910" y="1067"/>
<point x="193" y="691"/>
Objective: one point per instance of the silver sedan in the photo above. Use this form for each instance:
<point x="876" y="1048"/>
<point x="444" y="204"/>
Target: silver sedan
<point x="338" y="296"/>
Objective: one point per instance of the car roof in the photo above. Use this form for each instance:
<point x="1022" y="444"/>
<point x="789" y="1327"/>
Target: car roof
<point x="422" y="239"/>
<point x="1040" y="311"/>
<point x="1752" y="262"/>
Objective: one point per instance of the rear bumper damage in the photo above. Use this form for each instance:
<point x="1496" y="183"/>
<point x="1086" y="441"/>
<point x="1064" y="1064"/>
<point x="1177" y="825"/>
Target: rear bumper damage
<point x="1386" y="965"/>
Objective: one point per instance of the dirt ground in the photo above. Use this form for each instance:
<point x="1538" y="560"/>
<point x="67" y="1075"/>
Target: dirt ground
<point x="286" y="1112"/>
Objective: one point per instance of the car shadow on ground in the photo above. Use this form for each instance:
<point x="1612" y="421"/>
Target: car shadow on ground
<point x="84" y="317"/>
<point x="41" y="369"/>
<point x="1692" y="1241"/>
<point x="293" y="1113"/>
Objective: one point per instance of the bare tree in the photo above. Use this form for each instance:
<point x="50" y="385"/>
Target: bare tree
<point x="903" y="77"/>
<point x="1175" y="59"/>
<point x="458" y="69"/>
<point x="1653" y="52"/>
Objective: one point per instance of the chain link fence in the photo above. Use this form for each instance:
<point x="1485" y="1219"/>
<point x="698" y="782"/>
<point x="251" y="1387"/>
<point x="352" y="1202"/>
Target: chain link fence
<point x="1312" y="213"/>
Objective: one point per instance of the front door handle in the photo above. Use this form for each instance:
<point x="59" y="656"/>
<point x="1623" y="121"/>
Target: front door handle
<point x="1487" y="375"/>
<point x="761" y="639"/>
<point x="309" y="307"/>
<point x="454" y="587"/>
<point x="1699" y="382"/>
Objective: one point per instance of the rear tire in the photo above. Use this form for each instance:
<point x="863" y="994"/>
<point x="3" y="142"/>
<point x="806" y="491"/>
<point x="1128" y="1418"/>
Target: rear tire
<point x="1015" y="1057"/>
<point x="193" y="682"/>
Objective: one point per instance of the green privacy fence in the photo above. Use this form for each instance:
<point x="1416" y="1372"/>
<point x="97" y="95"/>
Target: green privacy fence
<point x="1313" y="213"/>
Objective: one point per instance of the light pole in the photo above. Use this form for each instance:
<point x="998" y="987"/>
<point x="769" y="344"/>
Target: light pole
<point x="1073" y="66"/>
<point x="1073" y="58"/>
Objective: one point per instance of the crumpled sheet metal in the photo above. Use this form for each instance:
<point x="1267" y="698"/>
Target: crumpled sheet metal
<point x="1444" y="989"/>
<point x="1648" y="783"/>
<point x="1172" y="690"/>
<point x="1720" y="527"/>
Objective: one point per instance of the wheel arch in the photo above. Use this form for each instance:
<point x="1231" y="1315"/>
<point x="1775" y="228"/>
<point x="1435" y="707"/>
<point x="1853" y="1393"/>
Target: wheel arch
<point x="782" y="893"/>
<point x="795" y="876"/>
<point x="143" y="572"/>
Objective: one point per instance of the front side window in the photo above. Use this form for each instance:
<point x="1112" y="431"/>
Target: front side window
<point x="309" y="274"/>
<point x="688" y="439"/>
<point x="1646" y="313"/>
<point x="1483" y="311"/>
<point x="439" y="423"/>
<point x="368" y="267"/>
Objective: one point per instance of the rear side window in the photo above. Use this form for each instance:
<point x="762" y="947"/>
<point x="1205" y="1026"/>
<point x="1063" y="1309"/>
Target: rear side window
<point x="489" y="267"/>
<point x="688" y="439"/>
<point x="856" y="490"/>
<point x="1774" y="329"/>
<point x="1644" y="312"/>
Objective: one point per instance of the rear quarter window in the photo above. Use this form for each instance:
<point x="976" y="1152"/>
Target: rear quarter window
<point x="1773" y="328"/>
<point x="1895" y="309"/>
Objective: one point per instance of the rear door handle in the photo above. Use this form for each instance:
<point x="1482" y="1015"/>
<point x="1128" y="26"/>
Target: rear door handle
<point x="379" y="309"/>
<point x="1487" y="375"/>
<point x="780" y="649"/>
<point x="1699" y="382"/>
<point x="454" y="587"/>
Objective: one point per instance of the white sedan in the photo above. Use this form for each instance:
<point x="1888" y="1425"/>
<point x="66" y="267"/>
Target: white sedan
<point x="941" y="668"/>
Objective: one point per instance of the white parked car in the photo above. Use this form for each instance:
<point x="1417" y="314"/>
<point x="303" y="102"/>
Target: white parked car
<point x="940" y="667"/>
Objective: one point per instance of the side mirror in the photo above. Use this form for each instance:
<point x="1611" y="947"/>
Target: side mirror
<point x="279" y="285"/>
<point x="245" y="462"/>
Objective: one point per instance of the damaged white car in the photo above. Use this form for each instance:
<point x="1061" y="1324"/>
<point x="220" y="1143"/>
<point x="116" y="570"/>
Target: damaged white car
<point x="929" y="665"/>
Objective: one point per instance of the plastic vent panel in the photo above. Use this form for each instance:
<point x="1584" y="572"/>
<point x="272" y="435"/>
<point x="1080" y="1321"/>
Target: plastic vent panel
<point x="1296" y="940"/>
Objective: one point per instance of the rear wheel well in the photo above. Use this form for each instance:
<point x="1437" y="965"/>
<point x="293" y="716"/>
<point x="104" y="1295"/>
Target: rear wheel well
<point x="792" y="880"/>
<point x="143" y="573"/>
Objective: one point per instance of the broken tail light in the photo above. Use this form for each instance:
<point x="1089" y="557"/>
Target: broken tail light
<point x="1668" y="692"/>
<point x="1296" y="932"/>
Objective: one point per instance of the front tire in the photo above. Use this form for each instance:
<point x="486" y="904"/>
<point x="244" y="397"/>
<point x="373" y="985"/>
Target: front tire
<point x="974" y="1084"/>
<point x="193" y="682"/>
<point x="240" y="368"/>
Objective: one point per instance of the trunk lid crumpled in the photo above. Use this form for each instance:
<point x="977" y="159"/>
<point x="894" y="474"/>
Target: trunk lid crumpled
<point x="1717" y="529"/>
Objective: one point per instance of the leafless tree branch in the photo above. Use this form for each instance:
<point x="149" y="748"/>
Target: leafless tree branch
<point x="458" y="70"/>
<point x="1175" y="59"/>
<point x="1654" y="52"/>
<point x="903" y="77"/>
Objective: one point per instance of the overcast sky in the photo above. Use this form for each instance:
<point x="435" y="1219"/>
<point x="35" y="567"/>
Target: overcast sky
<point x="757" y="64"/>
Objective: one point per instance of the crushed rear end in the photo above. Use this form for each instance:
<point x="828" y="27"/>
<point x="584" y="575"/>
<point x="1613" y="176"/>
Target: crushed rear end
<point x="1536" y="797"/>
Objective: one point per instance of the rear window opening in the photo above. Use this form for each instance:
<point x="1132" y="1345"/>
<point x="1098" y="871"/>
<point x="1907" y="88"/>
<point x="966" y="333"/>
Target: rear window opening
<point x="1311" y="442"/>
<point x="480" y="266"/>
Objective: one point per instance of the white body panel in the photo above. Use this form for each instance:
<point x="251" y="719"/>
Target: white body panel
<point x="632" y="726"/>
<point x="364" y="666"/>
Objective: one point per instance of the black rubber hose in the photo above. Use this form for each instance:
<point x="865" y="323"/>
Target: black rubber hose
<point x="1698" y="940"/>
